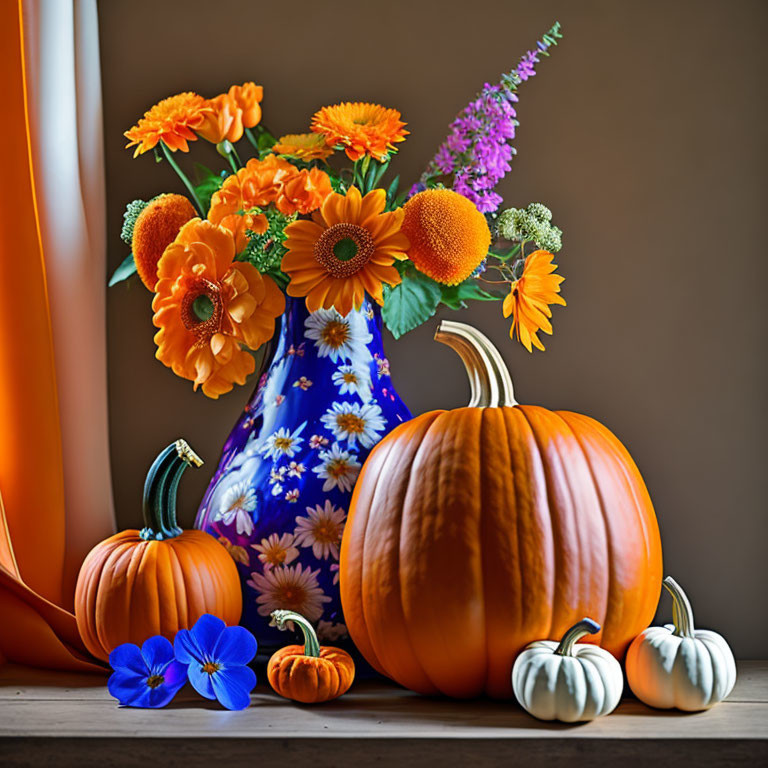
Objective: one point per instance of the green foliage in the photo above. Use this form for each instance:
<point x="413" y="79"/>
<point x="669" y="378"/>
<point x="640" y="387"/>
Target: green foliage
<point x="206" y="184"/>
<point x="124" y="271"/>
<point x="132" y="211"/>
<point x="265" y="251"/>
<point x="457" y="296"/>
<point x="411" y="303"/>
<point x="261" y="139"/>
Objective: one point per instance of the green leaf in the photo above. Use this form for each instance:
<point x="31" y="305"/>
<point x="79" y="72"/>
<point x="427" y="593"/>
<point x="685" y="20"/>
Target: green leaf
<point x="392" y="190"/>
<point x="124" y="271"/>
<point x="409" y="304"/>
<point x="206" y="183"/>
<point x="456" y="296"/>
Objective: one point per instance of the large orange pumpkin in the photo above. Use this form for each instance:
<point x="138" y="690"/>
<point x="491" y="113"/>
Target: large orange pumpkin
<point x="474" y="532"/>
<point x="159" y="580"/>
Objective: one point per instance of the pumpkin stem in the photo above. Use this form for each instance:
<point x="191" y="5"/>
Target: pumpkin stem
<point x="575" y="633"/>
<point x="311" y="644"/>
<point x="489" y="380"/>
<point x="160" y="489"/>
<point x="682" y="612"/>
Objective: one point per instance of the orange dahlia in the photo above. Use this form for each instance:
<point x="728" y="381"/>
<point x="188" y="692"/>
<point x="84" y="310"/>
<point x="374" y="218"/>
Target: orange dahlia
<point x="529" y="299"/>
<point x="347" y="248"/>
<point x="303" y="146"/>
<point x="303" y="193"/>
<point x="231" y="112"/>
<point x="173" y="121"/>
<point x="209" y="307"/>
<point x="449" y="236"/>
<point x="361" y="128"/>
<point x="155" y="229"/>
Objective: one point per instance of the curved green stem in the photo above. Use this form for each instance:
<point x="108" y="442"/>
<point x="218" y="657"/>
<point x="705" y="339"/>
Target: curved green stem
<point x="160" y="490"/>
<point x="252" y="139"/>
<point x="575" y="633"/>
<point x="183" y="176"/>
<point x="311" y="643"/>
<point x="682" y="612"/>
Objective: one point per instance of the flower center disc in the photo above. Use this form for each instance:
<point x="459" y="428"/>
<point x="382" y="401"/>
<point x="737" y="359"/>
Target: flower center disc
<point x="153" y="681"/>
<point x="350" y="423"/>
<point x="344" y="249"/>
<point x="202" y="309"/>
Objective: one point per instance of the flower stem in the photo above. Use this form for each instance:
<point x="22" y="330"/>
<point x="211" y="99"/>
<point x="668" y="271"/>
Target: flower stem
<point x="255" y="144"/>
<point x="183" y="176"/>
<point x="311" y="643"/>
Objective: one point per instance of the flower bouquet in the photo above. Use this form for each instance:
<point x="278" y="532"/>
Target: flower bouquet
<point x="310" y="233"/>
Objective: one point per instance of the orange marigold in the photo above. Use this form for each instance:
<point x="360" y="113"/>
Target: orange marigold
<point x="529" y="299"/>
<point x="303" y="193"/>
<point x="231" y="112"/>
<point x="347" y="248"/>
<point x="155" y="229"/>
<point x="361" y="128"/>
<point x="449" y="236"/>
<point x="303" y="146"/>
<point x="208" y="307"/>
<point x="173" y="121"/>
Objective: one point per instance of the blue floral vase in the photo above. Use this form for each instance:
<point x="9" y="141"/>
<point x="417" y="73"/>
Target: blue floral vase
<point x="279" y="498"/>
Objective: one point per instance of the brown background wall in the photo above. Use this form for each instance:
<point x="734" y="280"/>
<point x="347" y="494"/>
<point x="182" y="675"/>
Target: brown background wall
<point x="645" y="133"/>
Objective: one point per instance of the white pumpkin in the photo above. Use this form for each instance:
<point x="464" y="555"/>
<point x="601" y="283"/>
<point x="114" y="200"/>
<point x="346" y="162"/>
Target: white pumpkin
<point x="565" y="681"/>
<point x="677" y="666"/>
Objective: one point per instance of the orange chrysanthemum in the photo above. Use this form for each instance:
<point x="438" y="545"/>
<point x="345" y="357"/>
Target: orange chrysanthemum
<point x="173" y="121"/>
<point x="348" y="248"/>
<point x="449" y="236"/>
<point x="303" y="146"/>
<point x="260" y="183"/>
<point x="361" y="128"/>
<point x="232" y="112"/>
<point x="155" y="229"/>
<point x="529" y="299"/>
<point x="208" y="307"/>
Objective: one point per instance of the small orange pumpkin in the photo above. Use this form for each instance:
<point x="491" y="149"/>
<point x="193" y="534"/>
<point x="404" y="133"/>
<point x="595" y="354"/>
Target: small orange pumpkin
<point x="311" y="674"/>
<point x="476" y="531"/>
<point x="159" y="580"/>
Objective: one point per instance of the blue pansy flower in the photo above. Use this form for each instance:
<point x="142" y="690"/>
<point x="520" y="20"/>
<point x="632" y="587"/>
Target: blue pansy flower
<point x="149" y="677"/>
<point x="217" y="657"/>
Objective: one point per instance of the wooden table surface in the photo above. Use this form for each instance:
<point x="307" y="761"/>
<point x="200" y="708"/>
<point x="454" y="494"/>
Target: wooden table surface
<point x="59" y="719"/>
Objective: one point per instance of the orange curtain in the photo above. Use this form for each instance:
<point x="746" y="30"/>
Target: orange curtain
<point x="33" y="628"/>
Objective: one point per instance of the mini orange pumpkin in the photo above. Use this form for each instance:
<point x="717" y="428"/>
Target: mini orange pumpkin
<point x="311" y="674"/>
<point x="476" y="531"/>
<point x="159" y="580"/>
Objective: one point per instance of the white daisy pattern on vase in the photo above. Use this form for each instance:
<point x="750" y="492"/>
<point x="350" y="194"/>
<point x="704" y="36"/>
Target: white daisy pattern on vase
<point x="294" y="588"/>
<point x="339" y="468"/>
<point x="283" y="442"/>
<point x="276" y="551"/>
<point x="339" y="337"/>
<point x="355" y="423"/>
<point x="321" y="529"/>
<point x="237" y="504"/>
<point x="353" y="381"/>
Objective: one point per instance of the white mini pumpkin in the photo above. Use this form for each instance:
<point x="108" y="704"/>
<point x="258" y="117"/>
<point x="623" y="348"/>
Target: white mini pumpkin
<point x="677" y="666"/>
<point x="567" y="682"/>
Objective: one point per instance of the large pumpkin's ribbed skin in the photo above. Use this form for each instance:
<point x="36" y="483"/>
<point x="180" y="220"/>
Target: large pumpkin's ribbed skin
<point x="474" y="532"/>
<point x="129" y="589"/>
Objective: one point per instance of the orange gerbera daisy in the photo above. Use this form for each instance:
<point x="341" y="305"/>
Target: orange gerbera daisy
<point x="303" y="146"/>
<point x="449" y="236"/>
<point x="348" y="248"/>
<point x="155" y="229"/>
<point x="231" y="112"/>
<point x="208" y="307"/>
<point x="529" y="299"/>
<point x="173" y="121"/>
<point x="361" y="128"/>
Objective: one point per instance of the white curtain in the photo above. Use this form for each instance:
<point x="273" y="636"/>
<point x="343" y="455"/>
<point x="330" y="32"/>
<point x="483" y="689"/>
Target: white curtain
<point x="64" y="95"/>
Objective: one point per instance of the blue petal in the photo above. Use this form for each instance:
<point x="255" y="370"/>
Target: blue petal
<point x="185" y="648"/>
<point x="175" y="675"/>
<point x="206" y="632"/>
<point x="236" y="645"/>
<point x="128" y="657"/>
<point x="233" y="686"/>
<point x="201" y="681"/>
<point x="157" y="652"/>
<point x="126" y="686"/>
<point x="158" y="697"/>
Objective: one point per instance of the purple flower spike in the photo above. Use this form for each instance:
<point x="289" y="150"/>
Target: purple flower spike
<point x="217" y="659"/>
<point x="149" y="677"/>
